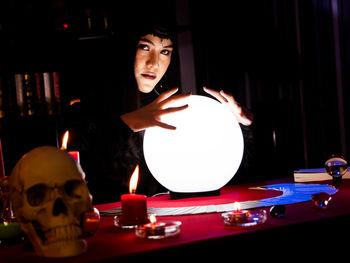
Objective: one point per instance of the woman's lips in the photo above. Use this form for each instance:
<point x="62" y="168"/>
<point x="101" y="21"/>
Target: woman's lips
<point x="148" y="76"/>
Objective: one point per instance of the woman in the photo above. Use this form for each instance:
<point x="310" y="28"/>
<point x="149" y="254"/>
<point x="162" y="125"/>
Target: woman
<point x="110" y="137"/>
<point x="153" y="56"/>
<point x="152" y="59"/>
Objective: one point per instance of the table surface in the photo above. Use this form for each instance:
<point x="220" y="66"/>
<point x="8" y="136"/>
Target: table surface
<point x="205" y="235"/>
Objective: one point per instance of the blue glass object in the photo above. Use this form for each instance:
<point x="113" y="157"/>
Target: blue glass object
<point x="336" y="166"/>
<point x="277" y="211"/>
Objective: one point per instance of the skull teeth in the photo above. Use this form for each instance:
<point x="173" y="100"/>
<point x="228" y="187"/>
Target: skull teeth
<point x="68" y="232"/>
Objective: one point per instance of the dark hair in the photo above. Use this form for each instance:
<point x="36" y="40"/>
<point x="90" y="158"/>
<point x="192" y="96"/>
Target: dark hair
<point x="166" y="31"/>
<point x="161" y="30"/>
<point x="126" y="88"/>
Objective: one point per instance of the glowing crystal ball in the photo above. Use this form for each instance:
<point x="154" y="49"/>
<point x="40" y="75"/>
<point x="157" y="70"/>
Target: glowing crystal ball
<point x="202" y="154"/>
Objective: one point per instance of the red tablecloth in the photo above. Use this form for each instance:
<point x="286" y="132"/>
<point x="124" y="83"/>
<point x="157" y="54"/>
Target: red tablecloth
<point x="228" y="194"/>
<point x="205" y="236"/>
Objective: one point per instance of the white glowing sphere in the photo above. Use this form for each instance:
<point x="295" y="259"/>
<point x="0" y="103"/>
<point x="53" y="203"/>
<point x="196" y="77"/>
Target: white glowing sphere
<point x="202" y="154"/>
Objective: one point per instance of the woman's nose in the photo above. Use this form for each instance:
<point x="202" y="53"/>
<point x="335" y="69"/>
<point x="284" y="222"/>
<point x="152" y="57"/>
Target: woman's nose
<point x="153" y="61"/>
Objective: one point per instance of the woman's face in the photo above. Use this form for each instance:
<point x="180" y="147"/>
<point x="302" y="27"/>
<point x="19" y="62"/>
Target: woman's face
<point x="153" y="56"/>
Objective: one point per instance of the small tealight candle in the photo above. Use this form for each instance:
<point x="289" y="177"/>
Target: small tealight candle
<point x="158" y="230"/>
<point x="239" y="215"/>
<point x="154" y="228"/>
<point x="134" y="206"/>
<point x="244" y="218"/>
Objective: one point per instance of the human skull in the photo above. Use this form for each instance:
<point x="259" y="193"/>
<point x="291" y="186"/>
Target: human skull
<point x="50" y="197"/>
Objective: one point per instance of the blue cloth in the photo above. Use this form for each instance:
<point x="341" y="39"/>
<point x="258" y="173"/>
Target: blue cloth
<point x="292" y="193"/>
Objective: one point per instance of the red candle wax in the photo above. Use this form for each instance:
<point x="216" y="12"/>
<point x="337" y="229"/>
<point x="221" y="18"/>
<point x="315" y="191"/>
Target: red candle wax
<point x="75" y="155"/>
<point x="134" y="209"/>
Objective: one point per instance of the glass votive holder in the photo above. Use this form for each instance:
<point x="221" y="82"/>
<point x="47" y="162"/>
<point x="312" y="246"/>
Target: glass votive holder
<point x="119" y="223"/>
<point x="92" y="221"/>
<point x="244" y="218"/>
<point x="159" y="230"/>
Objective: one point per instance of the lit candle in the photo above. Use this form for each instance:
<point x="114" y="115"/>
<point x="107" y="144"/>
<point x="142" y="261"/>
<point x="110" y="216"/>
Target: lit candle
<point x="244" y="218"/>
<point x="154" y="228"/>
<point x="158" y="230"/>
<point x="134" y="206"/>
<point x="237" y="217"/>
<point x="238" y="214"/>
<point x="74" y="154"/>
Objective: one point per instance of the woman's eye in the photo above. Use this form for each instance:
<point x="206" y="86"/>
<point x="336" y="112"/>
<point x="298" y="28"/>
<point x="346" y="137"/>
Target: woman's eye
<point x="166" y="52"/>
<point x="143" y="47"/>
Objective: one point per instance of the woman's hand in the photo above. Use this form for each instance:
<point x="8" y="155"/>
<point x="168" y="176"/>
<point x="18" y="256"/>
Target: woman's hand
<point x="242" y="115"/>
<point x="150" y="115"/>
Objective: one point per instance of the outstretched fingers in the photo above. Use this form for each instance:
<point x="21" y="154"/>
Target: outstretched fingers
<point x="176" y="98"/>
<point x="168" y="111"/>
<point x="228" y="97"/>
<point x="174" y="109"/>
<point x="242" y="115"/>
<point x="216" y="95"/>
<point x="164" y="125"/>
<point x="166" y="94"/>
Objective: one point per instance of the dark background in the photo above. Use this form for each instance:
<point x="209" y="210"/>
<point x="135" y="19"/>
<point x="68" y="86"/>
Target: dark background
<point x="279" y="59"/>
<point x="287" y="61"/>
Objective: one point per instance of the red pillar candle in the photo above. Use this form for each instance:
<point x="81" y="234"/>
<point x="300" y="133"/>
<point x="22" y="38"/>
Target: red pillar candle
<point x="134" y="209"/>
<point x="134" y="206"/>
<point x="75" y="155"/>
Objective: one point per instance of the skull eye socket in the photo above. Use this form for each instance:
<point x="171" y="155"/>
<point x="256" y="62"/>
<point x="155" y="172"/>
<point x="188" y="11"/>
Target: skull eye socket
<point x="37" y="194"/>
<point x="74" y="188"/>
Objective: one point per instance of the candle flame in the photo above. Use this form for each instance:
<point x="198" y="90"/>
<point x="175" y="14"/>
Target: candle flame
<point x="236" y="206"/>
<point x="65" y="140"/>
<point x="133" y="180"/>
<point x="152" y="219"/>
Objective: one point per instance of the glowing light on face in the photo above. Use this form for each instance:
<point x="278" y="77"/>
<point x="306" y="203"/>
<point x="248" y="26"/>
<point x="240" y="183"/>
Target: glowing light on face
<point x="153" y="56"/>
<point x="202" y="154"/>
